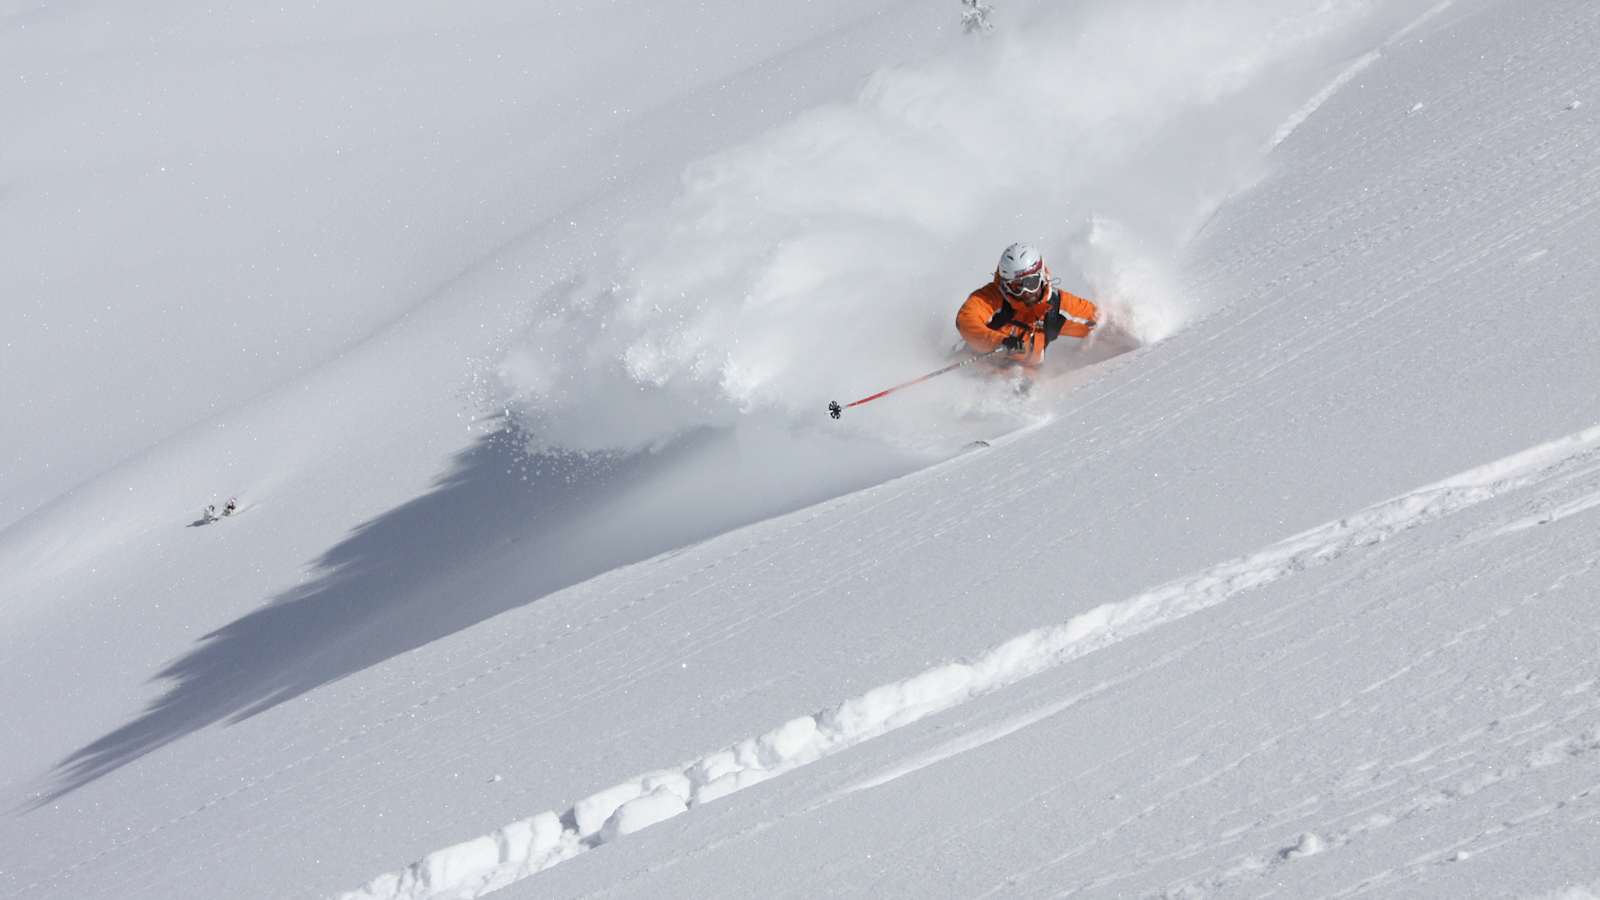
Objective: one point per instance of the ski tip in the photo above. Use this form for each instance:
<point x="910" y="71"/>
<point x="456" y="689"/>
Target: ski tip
<point x="834" y="409"/>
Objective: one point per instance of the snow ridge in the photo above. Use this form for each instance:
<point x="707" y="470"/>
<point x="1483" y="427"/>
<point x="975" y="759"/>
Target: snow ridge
<point x="1311" y="106"/>
<point x="487" y="863"/>
<point x="1349" y="72"/>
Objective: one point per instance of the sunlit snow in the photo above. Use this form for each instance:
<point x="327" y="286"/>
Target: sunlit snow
<point x="512" y="329"/>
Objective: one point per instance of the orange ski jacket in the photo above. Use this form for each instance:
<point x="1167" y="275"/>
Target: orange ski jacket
<point x="989" y="317"/>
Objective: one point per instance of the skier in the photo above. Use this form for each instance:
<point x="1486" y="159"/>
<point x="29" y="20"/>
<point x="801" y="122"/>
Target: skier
<point x="1023" y="311"/>
<point x="1020" y="312"/>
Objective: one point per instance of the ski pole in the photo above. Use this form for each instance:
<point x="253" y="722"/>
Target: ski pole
<point x="835" y="410"/>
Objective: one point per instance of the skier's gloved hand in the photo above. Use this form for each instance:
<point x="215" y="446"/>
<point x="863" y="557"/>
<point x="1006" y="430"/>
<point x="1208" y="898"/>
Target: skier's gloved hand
<point x="1015" y="343"/>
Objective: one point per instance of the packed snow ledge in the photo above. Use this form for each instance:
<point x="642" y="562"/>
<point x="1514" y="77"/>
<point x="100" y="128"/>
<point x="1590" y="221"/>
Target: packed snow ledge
<point x="487" y="863"/>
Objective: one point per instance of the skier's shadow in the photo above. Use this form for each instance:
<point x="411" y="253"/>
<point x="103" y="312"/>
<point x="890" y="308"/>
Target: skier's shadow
<point x="397" y="582"/>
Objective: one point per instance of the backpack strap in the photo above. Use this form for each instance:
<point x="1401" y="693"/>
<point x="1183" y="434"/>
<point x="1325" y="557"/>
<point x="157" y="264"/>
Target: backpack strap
<point x="1053" y="320"/>
<point x="1002" y="316"/>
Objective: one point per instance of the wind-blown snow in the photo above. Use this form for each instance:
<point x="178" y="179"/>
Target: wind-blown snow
<point x="826" y="258"/>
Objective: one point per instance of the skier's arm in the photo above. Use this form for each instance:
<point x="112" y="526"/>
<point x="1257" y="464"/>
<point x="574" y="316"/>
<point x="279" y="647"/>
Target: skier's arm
<point x="1081" y="315"/>
<point x="973" y="323"/>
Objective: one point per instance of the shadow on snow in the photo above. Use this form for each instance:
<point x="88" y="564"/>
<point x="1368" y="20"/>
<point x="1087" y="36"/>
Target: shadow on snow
<point x="500" y="530"/>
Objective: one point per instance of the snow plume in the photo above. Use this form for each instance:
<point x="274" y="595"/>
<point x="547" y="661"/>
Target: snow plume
<point x="826" y="258"/>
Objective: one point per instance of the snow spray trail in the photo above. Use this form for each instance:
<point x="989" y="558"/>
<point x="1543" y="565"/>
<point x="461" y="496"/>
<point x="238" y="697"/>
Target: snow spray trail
<point x="826" y="258"/>
<point x="477" y="867"/>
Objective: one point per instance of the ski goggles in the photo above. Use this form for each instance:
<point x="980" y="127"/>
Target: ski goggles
<point x="1026" y="284"/>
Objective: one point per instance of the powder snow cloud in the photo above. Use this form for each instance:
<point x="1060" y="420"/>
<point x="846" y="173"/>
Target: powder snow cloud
<point x="826" y="258"/>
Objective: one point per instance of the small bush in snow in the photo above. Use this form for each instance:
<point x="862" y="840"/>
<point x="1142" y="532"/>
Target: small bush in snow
<point x="975" y="17"/>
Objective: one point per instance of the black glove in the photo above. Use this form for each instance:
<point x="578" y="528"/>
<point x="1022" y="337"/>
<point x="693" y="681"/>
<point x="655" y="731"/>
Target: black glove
<point x="1014" y="344"/>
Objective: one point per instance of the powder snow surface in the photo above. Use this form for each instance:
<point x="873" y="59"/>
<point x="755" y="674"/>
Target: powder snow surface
<point x="512" y="331"/>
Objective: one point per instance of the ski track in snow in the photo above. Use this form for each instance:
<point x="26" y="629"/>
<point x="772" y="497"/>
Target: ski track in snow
<point x="1380" y="793"/>
<point x="476" y="867"/>
<point x="1305" y="112"/>
<point x="1589" y="891"/>
<point x="1446" y="782"/>
<point x="1348" y="73"/>
<point x="1565" y="510"/>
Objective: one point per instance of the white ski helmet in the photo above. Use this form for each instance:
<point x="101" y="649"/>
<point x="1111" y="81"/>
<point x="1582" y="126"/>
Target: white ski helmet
<point x="1021" y="270"/>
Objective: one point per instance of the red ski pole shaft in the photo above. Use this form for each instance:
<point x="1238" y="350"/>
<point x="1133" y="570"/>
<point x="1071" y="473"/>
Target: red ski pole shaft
<point x="836" y="410"/>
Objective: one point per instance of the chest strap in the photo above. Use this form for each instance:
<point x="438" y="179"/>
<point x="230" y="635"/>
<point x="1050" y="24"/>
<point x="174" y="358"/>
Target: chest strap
<point x="1002" y="316"/>
<point x="1053" y="319"/>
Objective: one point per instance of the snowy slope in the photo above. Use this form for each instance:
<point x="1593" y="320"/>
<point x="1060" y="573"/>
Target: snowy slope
<point x="204" y="203"/>
<point x="1297" y="599"/>
<point x="399" y="413"/>
<point x="1394" y="703"/>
